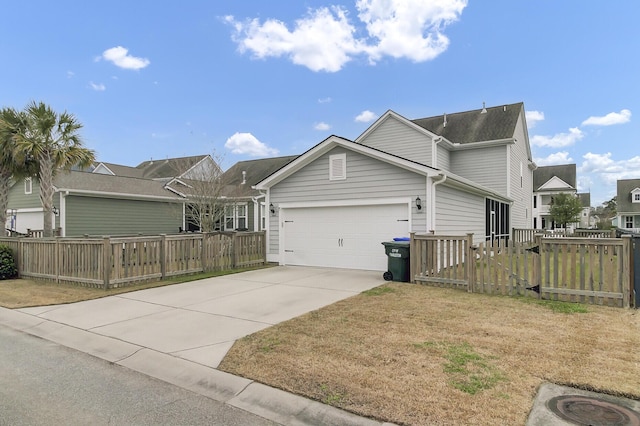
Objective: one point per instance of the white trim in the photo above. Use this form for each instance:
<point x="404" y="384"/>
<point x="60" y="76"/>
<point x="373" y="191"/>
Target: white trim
<point x="29" y="210"/>
<point x="30" y="182"/>
<point x="346" y="203"/>
<point x="405" y="121"/>
<point x="104" y="166"/>
<point x="119" y="195"/>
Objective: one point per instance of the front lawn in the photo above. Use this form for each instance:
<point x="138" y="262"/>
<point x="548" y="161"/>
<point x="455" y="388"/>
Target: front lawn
<point x="413" y="354"/>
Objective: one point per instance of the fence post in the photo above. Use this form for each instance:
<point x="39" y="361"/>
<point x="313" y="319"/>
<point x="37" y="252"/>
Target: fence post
<point x="233" y="250"/>
<point x="412" y="257"/>
<point x="626" y="271"/>
<point x="163" y="256"/>
<point x="106" y="261"/>
<point x="537" y="264"/>
<point x="203" y="252"/>
<point x="471" y="263"/>
<point x="56" y="260"/>
<point x="20" y="257"/>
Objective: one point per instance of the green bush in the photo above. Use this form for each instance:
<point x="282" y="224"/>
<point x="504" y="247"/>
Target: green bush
<point x="7" y="263"/>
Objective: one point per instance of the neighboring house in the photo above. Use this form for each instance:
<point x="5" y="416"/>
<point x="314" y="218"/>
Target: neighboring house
<point x="468" y="172"/>
<point x="96" y="204"/>
<point x="549" y="181"/>
<point x="194" y="167"/>
<point x="628" y="199"/>
<point x="245" y="206"/>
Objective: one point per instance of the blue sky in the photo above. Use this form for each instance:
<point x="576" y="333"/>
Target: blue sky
<point x="252" y="79"/>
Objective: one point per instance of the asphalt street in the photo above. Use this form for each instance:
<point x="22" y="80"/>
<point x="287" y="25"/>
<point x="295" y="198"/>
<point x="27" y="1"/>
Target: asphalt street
<point x="43" y="383"/>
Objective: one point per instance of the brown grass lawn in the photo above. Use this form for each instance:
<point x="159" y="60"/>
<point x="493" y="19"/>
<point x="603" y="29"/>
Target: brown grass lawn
<point x="23" y="293"/>
<point x="412" y="354"/>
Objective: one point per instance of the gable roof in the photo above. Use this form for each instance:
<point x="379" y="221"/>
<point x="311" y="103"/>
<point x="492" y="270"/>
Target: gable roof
<point x="495" y="123"/>
<point x="565" y="172"/>
<point x="118" y="170"/>
<point x="585" y="198"/>
<point x="254" y="172"/>
<point x="625" y="187"/>
<point x="170" y="167"/>
<point x="336" y="141"/>
<point x="113" y="186"/>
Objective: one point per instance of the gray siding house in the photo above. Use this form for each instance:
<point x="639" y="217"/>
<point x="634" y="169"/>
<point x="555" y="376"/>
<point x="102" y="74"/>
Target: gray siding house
<point x="628" y="198"/>
<point x="451" y="174"/>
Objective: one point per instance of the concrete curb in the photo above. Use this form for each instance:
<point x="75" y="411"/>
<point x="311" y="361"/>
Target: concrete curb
<point x="267" y="402"/>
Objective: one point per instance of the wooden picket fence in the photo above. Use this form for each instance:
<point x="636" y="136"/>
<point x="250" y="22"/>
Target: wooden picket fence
<point x="115" y="262"/>
<point x="586" y="270"/>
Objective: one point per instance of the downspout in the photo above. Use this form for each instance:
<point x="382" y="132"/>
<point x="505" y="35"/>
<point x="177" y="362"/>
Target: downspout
<point x="257" y="217"/>
<point x="435" y="183"/>
<point x="434" y="152"/>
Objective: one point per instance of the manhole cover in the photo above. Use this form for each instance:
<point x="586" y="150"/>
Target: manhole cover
<point x="590" y="411"/>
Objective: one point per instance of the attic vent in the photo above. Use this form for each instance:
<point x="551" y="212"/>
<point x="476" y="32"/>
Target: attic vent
<point x="444" y="123"/>
<point x="338" y="167"/>
<point x="504" y="108"/>
<point x="484" y="109"/>
<point x="244" y="177"/>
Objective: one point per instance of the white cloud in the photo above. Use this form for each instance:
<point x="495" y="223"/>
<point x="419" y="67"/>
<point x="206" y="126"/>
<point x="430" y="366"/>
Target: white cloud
<point x="324" y="100"/>
<point x="558" y="140"/>
<point x="624" y="116"/>
<point x="554" y="159"/>
<point x="607" y="170"/>
<point x="120" y="57"/>
<point x="533" y="117"/>
<point x="246" y="143"/>
<point x="70" y="74"/>
<point x="324" y="40"/>
<point x="366" y="116"/>
<point x="321" y="126"/>
<point x="97" y="87"/>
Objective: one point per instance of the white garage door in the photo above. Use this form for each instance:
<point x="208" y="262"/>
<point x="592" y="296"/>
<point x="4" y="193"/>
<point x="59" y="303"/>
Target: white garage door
<point x="342" y="237"/>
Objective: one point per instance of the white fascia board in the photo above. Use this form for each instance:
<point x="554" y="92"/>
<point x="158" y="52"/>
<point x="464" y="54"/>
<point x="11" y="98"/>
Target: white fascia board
<point x="483" y="144"/>
<point x="469" y="186"/>
<point x="398" y="117"/>
<point x="103" y="166"/>
<point x="333" y="142"/>
<point x="104" y="194"/>
<point x="559" y="185"/>
<point x="346" y="203"/>
<point x="635" y="190"/>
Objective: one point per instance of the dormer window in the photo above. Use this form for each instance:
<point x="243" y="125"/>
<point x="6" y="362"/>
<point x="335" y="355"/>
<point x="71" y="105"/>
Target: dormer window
<point x="635" y="196"/>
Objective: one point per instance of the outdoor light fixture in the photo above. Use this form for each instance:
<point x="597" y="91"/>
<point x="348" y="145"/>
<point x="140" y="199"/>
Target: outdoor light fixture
<point x="418" y="203"/>
<point x="272" y="208"/>
<point x="56" y="211"/>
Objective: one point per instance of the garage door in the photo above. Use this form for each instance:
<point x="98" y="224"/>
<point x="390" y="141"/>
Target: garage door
<point x="342" y="237"/>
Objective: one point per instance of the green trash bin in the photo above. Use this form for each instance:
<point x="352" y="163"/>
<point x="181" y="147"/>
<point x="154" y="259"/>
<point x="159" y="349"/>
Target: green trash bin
<point x="398" y="264"/>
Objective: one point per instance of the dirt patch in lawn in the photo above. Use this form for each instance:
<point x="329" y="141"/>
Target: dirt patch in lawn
<point x="418" y="355"/>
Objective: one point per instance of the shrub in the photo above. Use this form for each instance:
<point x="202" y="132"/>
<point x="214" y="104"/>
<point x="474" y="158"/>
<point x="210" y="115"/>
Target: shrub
<point x="7" y="263"/>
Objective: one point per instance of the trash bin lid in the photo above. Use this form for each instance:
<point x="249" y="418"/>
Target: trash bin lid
<point x="402" y="239"/>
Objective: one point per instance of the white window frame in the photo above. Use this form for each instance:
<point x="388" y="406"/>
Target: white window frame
<point x="628" y="222"/>
<point x="636" y="197"/>
<point x="28" y="186"/>
<point x="263" y="216"/>
<point x="338" y="166"/>
<point x="232" y="216"/>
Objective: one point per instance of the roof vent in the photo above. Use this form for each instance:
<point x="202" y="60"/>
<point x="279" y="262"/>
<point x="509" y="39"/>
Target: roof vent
<point x="244" y="177"/>
<point x="504" y="108"/>
<point x="484" y="109"/>
<point x="444" y="123"/>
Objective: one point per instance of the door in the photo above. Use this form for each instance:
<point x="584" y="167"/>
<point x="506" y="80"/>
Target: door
<point x="342" y="237"/>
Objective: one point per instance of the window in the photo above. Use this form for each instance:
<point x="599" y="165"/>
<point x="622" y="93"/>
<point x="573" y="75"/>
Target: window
<point x="636" y="198"/>
<point x="263" y="216"/>
<point x="338" y="167"/>
<point x="28" y="186"/>
<point x="497" y="220"/>
<point x="535" y="201"/>
<point x="235" y="217"/>
<point x="628" y="221"/>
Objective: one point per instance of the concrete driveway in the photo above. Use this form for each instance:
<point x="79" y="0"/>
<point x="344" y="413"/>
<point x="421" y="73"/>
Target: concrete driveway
<point x="199" y="321"/>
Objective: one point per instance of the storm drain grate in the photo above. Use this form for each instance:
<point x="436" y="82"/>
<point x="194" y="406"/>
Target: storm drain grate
<point x="590" y="411"/>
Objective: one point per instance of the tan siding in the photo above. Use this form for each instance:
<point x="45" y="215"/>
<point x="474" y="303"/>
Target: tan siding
<point x="484" y="166"/>
<point x="399" y="139"/>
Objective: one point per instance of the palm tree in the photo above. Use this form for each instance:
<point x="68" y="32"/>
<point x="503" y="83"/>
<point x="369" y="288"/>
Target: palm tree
<point x="53" y="141"/>
<point x="10" y="168"/>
